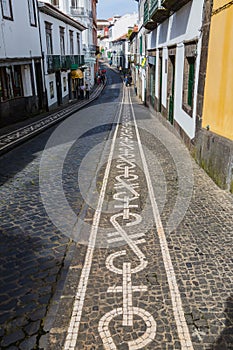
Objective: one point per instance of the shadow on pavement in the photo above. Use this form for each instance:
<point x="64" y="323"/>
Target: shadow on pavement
<point x="225" y="340"/>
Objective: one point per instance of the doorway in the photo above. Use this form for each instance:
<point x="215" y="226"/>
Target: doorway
<point x="59" y="89"/>
<point x="171" y="87"/>
<point x="39" y="84"/>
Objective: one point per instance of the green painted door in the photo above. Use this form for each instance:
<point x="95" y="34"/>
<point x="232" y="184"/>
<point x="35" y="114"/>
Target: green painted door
<point x="160" y="83"/>
<point x="171" y="98"/>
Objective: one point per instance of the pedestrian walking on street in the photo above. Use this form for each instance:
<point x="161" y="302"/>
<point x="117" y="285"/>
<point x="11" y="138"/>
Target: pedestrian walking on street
<point x="126" y="81"/>
<point x="78" y="92"/>
<point x="87" y="91"/>
<point x="82" y="89"/>
<point x="102" y="78"/>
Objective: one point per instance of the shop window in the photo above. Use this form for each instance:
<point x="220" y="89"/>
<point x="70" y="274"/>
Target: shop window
<point x="7" y="9"/>
<point x="17" y="81"/>
<point x="64" y="84"/>
<point x="189" y="77"/>
<point x="32" y="12"/>
<point x="51" y="89"/>
<point x="10" y="83"/>
<point x="4" y="91"/>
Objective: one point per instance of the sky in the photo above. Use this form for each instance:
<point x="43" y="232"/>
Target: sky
<point x="108" y="8"/>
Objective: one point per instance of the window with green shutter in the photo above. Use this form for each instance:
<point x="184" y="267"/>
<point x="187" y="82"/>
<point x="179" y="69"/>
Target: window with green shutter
<point x="191" y="81"/>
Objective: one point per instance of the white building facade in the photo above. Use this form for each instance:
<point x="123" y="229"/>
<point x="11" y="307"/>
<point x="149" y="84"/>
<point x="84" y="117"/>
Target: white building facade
<point x="118" y="39"/>
<point x="62" y="51"/>
<point x="103" y="37"/>
<point x="173" y="50"/>
<point x="83" y="11"/>
<point x="21" y="69"/>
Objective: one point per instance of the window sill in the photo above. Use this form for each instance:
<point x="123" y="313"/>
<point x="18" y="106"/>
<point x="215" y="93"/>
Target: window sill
<point x="188" y="109"/>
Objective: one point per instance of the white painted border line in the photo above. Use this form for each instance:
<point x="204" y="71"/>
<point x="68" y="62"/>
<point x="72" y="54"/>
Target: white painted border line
<point x="73" y="329"/>
<point x="182" y="328"/>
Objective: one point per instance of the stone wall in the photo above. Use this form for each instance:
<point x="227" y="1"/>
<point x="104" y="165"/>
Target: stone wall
<point x="215" y="155"/>
<point x="18" y="109"/>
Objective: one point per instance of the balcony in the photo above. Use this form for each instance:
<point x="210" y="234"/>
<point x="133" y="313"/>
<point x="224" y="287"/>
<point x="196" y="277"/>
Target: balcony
<point x="77" y="11"/>
<point x="157" y="12"/>
<point x="74" y="61"/>
<point x="154" y="13"/>
<point x="65" y="62"/>
<point x="148" y="23"/>
<point x="53" y="63"/>
<point x="174" y="5"/>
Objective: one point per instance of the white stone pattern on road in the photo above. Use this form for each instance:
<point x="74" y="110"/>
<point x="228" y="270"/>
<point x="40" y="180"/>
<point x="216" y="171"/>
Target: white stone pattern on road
<point x="127" y="193"/>
<point x="73" y="329"/>
<point x="178" y="312"/>
<point x="126" y="185"/>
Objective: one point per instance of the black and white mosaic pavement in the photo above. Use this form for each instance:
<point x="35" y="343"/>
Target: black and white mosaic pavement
<point x="128" y="247"/>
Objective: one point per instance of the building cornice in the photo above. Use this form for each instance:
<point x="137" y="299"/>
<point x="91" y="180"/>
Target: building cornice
<point x="51" y="10"/>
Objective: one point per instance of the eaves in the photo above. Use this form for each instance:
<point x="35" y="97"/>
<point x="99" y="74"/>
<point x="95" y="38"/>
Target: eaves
<point x="51" y="10"/>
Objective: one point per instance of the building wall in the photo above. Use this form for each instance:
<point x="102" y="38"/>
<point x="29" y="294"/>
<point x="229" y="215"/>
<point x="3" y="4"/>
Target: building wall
<point x="181" y="27"/>
<point x="21" y="81"/>
<point x="18" y="38"/>
<point x="120" y="27"/>
<point x="218" y="103"/>
<point x="214" y="139"/>
<point x="56" y="23"/>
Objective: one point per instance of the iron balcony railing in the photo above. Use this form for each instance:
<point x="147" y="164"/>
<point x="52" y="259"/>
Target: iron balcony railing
<point x="174" y="5"/>
<point x="148" y="21"/>
<point x="53" y="63"/>
<point x="78" y="11"/>
<point x="154" y="13"/>
<point x="64" y="62"/>
<point x="146" y="12"/>
<point x="154" y="6"/>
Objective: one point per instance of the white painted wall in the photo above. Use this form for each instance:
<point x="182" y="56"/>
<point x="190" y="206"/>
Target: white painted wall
<point x="183" y="26"/>
<point x="18" y="38"/>
<point x="56" y="24"/>
<point x="51" y="78"/>
<point x="122" y="24"/>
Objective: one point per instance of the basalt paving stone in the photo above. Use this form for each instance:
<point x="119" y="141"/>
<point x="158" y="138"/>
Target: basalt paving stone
<point x="33" y="251"/>
<point x="200" y="248"/>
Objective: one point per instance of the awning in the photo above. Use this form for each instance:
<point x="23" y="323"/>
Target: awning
<point x="76" y="74"/>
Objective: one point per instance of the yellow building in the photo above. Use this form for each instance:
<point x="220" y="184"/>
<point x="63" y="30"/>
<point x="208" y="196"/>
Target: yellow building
<point x="214" y="134"/>
<point x="218" y="96"/>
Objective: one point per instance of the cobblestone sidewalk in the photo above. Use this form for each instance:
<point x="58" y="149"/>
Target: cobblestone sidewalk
<point x="160" y="276"/>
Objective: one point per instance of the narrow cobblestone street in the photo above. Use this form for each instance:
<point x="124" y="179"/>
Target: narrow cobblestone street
<point x="112" y="237"/>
